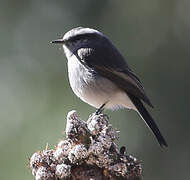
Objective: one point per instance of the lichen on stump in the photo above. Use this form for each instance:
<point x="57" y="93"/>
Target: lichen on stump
<point x="88" y="153"/>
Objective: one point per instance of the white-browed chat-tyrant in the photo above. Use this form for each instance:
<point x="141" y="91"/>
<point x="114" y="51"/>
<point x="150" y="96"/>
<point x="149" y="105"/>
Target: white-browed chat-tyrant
<point x="99" y="75"/>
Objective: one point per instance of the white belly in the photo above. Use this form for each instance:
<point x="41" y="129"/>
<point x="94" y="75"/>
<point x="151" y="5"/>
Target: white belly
<point x="95" y="90"/>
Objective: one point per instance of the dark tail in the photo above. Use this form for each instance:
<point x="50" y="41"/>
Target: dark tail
<point x="148" y="120"/>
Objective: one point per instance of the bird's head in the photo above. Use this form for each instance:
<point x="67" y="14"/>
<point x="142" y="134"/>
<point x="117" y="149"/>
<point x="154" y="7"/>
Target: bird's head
<point x="80" y="38"/>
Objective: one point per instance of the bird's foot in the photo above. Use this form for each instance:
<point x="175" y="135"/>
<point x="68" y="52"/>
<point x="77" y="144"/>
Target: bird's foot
<point x="100" y="109"/>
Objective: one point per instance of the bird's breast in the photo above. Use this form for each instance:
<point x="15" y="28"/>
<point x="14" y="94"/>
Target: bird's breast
<point x="94" y="89"/>
<point x="77" y="76"/>
<point x="87" y="84"/>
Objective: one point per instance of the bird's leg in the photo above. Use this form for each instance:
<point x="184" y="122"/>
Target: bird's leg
<point x="100" y="109"/>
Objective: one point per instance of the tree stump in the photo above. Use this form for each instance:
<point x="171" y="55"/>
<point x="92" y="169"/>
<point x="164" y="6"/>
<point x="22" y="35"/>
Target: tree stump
<point x="87" y="153"/>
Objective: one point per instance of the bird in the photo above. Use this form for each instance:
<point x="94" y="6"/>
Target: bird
<point x="100" y="76"/>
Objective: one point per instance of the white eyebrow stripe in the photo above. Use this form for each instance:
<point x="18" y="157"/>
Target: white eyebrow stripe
<point x="88" y="31"/>
<point x="80" y="31"/>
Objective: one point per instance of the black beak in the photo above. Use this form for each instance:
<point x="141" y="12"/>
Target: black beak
<point x="58" y="41"/>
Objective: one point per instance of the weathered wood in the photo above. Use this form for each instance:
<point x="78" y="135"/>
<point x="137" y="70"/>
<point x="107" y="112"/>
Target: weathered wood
<point x="88" y="153"/>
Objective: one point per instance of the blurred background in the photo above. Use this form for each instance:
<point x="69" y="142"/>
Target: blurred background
<point x="35" y="96"/>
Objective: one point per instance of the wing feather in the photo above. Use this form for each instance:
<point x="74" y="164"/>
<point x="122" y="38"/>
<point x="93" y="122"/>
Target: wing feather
<point x="113" y="67"/>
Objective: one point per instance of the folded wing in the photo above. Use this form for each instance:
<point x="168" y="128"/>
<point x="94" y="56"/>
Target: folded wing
<point x="113" y="66"/>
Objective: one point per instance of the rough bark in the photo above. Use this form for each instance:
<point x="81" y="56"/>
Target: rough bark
<point x="87" y="153"/>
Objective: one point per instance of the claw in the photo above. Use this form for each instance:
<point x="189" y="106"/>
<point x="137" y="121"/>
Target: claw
<point x="100" y="109"/>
